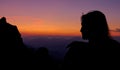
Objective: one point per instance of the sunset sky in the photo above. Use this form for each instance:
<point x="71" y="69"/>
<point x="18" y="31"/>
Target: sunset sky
<point x="57" y="17"/>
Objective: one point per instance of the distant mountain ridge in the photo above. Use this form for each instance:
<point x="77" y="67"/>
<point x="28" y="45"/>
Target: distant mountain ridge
<point x="56" y="45"/>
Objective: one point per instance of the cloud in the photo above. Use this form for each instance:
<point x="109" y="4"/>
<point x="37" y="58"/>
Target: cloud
<point x="116" y="30"/>
<point x="23" y="18"/>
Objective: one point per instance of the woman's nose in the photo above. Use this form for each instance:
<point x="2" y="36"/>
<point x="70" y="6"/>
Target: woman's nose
<point x="81" y="30"/>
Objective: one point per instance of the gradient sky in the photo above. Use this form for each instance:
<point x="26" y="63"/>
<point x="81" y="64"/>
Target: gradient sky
<point x="57" y="17"/>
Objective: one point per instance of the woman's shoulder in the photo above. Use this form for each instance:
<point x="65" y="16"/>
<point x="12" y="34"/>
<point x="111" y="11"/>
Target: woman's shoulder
<point x="77" y="44"/>
<point x="114" y="44"/>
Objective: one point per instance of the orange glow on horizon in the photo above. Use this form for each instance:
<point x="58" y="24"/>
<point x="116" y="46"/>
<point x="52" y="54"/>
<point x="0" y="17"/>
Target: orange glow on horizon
<point x="51" y="33"/>
<point x="37" y="26"/>
<point x="115" y="33"/>
<point x="60" y="33"/>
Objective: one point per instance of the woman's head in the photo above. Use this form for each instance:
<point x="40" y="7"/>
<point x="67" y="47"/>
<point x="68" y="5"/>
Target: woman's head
<point x="94" y="25"/>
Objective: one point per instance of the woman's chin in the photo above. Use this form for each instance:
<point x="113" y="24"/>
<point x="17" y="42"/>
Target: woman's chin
<point x="85" y="38"/>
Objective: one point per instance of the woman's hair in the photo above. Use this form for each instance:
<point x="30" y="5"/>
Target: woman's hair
<point x="96" y="21"/>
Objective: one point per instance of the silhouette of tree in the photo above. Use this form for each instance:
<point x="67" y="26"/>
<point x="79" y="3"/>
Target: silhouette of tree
<point x="43" y="59"/>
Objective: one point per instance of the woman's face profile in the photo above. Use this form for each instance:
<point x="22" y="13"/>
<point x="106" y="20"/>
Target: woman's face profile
<point x="84" y="30"/>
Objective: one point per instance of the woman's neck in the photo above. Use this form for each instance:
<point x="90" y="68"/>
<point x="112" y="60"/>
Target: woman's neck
<point x="97" y="42"/>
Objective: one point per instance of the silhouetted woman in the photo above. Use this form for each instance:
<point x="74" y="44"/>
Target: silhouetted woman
<point x="95" y="29"/>
<point x="100" y="51"/>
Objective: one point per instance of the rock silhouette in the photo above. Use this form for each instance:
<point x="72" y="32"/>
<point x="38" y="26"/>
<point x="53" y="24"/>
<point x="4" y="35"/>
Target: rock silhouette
<point x="13" y="50"/>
